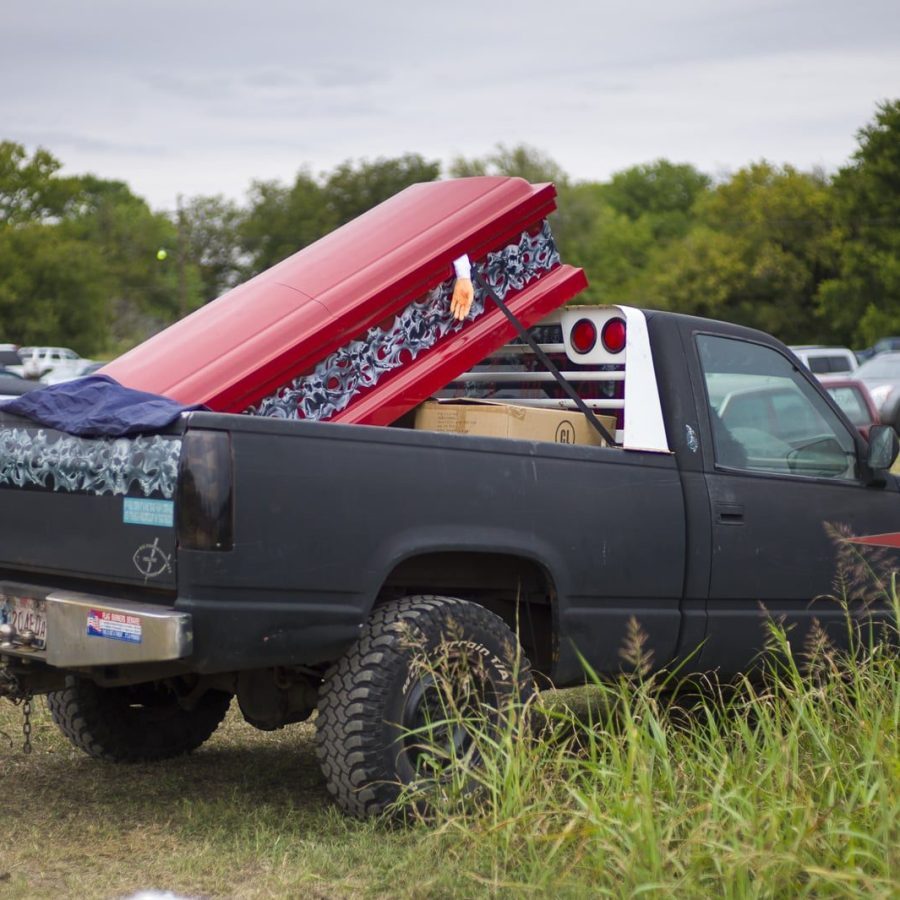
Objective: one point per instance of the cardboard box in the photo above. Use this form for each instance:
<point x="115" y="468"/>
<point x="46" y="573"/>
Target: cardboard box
<point x="492" y="419"/>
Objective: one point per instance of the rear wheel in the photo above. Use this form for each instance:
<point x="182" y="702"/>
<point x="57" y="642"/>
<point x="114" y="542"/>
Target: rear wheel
<point x="419" y="662"/>
<point x="141" y="722"/>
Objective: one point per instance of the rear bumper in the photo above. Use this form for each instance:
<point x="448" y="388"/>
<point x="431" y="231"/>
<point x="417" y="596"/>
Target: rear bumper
<point x="90" y="630"/>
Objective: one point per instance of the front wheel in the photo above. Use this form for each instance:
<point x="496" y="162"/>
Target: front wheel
<point x="423" y="665"/>
<point x="138" y="723"/>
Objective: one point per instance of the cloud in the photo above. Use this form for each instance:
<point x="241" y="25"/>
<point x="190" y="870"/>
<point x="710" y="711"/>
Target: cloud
<point x="203" y="97"/>
<point x="58" y="142"/>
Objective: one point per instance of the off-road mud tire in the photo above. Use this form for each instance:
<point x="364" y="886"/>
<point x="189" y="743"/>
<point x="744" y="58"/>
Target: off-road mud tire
<point x="134" y="724"/>
<point x="359" y="734"/>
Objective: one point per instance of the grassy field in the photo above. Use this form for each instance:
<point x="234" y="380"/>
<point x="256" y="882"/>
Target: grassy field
<point x="787" y="790"/>
<point x="245" y="816"/>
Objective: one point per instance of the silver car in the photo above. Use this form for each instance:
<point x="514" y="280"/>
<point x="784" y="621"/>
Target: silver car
<point x="881" y="375"/>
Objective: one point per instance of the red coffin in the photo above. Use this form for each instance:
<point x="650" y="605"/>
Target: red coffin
<point x="356" y="327"/>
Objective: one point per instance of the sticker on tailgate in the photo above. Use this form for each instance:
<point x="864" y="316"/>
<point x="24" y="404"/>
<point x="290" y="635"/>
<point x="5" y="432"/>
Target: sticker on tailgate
<point x="113" y="625"/>
<point x="138" y="511"/>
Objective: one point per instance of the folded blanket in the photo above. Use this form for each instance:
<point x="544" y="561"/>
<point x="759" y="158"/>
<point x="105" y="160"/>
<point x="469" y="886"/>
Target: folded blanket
<point x="97" y="406"/>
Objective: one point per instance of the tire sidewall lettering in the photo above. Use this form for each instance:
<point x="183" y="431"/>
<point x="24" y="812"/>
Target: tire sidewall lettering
<point x="417" y="662"/>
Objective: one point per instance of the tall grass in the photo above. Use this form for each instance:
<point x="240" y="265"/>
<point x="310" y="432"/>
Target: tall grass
<point x="785" y="785"/>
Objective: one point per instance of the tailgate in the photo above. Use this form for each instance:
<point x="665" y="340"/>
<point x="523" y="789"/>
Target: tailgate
<point x="97" y="508"/>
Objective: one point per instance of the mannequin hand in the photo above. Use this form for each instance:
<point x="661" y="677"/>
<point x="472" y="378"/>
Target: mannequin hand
<point x="463" y="295"/>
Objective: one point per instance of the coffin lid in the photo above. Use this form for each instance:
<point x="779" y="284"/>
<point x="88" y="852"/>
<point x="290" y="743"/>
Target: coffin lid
<point x="257" y="337"/>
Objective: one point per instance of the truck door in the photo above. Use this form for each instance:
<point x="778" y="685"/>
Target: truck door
<point x="783" y="474"/>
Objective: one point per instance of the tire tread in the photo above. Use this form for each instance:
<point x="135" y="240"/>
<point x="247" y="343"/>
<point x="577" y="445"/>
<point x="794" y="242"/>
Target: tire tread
<point x="348" y="726"/>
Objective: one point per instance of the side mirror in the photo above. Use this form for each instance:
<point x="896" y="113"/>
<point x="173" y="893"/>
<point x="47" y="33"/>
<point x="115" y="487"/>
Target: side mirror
<point x="883" y="447"/>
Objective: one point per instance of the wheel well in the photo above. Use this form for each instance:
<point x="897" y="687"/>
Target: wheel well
<point x="518" y="590"/>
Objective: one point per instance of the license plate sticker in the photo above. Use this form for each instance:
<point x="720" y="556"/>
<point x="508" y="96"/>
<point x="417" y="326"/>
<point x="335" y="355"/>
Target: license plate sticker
<point x="26" y="614"/>
<point x="115" y="626"/>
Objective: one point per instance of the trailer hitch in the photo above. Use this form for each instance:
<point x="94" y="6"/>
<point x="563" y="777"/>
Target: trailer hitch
<point x="10" y="686"/>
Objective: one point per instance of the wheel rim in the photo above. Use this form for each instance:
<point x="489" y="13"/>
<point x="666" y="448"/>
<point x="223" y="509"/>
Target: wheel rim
<point x="442" y="718"/>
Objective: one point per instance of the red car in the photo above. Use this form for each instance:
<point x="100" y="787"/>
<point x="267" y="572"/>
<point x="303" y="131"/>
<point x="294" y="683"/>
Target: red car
<point x="854" y="399"/>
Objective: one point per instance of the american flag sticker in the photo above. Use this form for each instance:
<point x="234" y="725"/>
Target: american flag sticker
<point x="115" y="626"/>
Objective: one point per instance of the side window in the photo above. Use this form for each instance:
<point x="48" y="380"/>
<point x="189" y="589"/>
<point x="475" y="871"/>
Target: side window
<point x="767" y="418"/>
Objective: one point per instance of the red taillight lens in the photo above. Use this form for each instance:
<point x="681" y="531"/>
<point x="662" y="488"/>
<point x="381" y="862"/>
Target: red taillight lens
<point x="584" y="336"/>
<point x="613" y="336"/>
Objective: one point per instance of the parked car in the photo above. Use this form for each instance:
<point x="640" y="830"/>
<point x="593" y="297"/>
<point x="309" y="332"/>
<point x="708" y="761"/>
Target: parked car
<point x="824" y="360"/>
<point x="881" y="375"/>
<point x="12" y="385"/>
<point x="9" y="356"/>
<point x="853" y="397"/>
<point x="883" y="345"/>
<point x="51" y="364"/>
<point x="91" y="368"/>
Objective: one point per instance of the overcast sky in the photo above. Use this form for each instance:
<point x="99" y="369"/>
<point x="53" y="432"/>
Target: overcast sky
<point x="203" y="96"/>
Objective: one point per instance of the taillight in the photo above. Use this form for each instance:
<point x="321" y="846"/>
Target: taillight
<point x="583" y="336"/>
<point x="613" y="335"/>
<point x="204" y="505"/>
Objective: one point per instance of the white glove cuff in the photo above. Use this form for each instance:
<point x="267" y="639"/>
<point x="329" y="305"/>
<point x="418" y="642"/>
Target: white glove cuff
<point x="463" y="267"/>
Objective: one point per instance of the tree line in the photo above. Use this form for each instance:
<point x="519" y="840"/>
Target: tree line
<point x="808" y="256"/>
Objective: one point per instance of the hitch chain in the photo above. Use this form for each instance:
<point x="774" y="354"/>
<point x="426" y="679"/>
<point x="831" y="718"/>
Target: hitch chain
<point x="12" y="690"/>
<point x="26" y="724"/>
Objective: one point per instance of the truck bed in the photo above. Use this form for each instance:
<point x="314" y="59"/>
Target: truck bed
<point x="327" y="516"/>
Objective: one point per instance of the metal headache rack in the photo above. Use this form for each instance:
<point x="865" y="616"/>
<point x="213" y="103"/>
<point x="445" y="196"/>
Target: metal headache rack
<point x="513" y="373"/>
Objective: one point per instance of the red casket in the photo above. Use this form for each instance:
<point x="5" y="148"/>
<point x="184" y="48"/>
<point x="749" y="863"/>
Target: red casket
<point x="357" y="326"/>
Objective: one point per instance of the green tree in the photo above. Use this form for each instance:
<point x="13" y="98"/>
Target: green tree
<point x="30" y="190"/>
<point x="863" y="299"/>
<point x="281" y="220"/>
<point x="354" y="188"/>
<point x="52" y="289"/>
<point x="657" y="187"/>
<point x="210" y="232"/>
<point x="615" y="252"/>
<point x="756" y="255"/>
<point x="53" y="280"/>
<point x="660" y="194"/>
<point x="522" y="161"/>
<point x="617" y="228"/>
<point x="144" y="293"/>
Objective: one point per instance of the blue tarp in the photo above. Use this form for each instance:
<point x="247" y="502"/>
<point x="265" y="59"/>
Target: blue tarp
<point x="96" y="406"/>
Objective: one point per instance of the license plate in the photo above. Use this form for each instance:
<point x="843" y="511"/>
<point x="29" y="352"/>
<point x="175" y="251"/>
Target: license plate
<point x="27" y="614"/>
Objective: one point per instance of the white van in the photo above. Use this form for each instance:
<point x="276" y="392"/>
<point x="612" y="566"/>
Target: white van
<point x="827" y="360"/>
<point x="51" y="364"/>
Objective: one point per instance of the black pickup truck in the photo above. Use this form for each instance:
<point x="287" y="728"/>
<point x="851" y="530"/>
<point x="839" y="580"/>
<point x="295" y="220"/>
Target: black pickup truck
<point x="146" y="581"/>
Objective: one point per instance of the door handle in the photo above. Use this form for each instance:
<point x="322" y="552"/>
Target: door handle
<point x="730" y="513"/>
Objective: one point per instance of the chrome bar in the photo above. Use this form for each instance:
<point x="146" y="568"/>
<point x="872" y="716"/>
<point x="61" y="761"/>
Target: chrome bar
<point x="537" y="376"/>
<point x="87" y="630"/>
